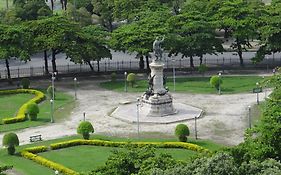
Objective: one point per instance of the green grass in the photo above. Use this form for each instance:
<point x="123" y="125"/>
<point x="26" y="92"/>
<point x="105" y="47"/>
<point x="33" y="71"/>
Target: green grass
<point x="64" y="103"/>
<point x="9" y="104"/>
<point x="91" y="157"/>
<point x="230" y="85"/>
<point x="94" y="154"/>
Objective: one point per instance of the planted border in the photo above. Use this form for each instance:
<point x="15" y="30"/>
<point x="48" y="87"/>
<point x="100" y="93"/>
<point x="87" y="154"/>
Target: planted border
<point x="30" y="153"/>
<point x="21" y="115"/>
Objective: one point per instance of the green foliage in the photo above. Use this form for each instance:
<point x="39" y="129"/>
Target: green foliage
<point x="4" y="168"/>
<point x="81" y="15"/>
<point x="10" y="140"/>
<point x="182" y="131"/>
<point x="25" y="83"/>
<point x="131" y="78"/>
<point x="50" y="92"/>
<point x="32" y="111"/>
<point x="216" y="81"/>
<point x="202" y="68"/>
<point x="85" y="128"/>
<point x="113" y="77"/>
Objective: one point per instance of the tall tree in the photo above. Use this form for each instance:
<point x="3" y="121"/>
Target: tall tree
<point x="14" y="43"/>
<point x="139" y="35"/>
<point x="191" y="35"/>
<point x="89" y="45"/>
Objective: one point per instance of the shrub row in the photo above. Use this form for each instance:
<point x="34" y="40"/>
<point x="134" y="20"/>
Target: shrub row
<point x="48" y="163"/>
<point x="36" y="149"/>
<point x="77" y="142"/>
<point x="21" y="115"/>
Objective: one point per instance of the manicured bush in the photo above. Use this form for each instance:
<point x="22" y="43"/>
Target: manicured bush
<point x="131" y="78"/>
<point x="32" y="111"/>
<point x="113" y="77"/>
<point x="25" y="83"/>
<point x="10" y="140"/>
<point x="202" y="68"/>
<point x="21" y="115"/>
<point x="50" y="92"/>
<point x="84" y="129"/>
<point x="216" y="81"/>
<point x="182" y="131"/>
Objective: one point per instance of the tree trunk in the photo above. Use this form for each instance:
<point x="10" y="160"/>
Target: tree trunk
<point x="46" y="62"/>
<point x="191" y="62"/>
<point x="239" y="51"/>
<point x="7" y="4"/>
<point x="54" y="60"/>
<point x="52" y="5"/>
<point x="201" y="60"/>
<point x="226" y="33"/>
<point x="8" y="71"/>
<point x="65" y="4"/>
<point x="141" y="63"/>
<point x="91" y="66"/>
<point x="147" y="64"/>
<point x="62" y="4"/>
<point x="98" y="65"/>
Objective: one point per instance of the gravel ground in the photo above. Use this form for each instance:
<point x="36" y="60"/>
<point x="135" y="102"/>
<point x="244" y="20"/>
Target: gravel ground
<point x="224" y="121"/>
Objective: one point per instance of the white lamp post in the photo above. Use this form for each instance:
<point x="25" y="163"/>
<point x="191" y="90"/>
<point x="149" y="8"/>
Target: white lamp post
<point x="219" y="83"/>
<point x="125" y="81"/>
<point x="249" y="116"/>
<point x="52" y="110"/>
<point x="56" y="172"/>
<point x="75" y="88"/>
<point x="53" y="85"/>
<point x="257" y="84"/>
<point x="138" y="116"/>
<point x="174" y="73"/>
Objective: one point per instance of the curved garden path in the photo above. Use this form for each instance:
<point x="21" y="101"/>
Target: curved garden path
<point x="224" y="121"/>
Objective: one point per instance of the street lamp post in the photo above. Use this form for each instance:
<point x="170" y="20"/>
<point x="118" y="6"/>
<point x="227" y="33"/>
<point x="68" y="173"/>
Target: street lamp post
<point x="219" y="83"/>
<point x="75" y="88"/>
<point x="52" y="110"/>
<point x="174" y="73"/>
<point x="138" y="116"/>
<point x="53" y="85"/>
<point x="258" y="102"/>
<point x="249" y="116"/>
<point x="125" y="81"/>
<point x="195" y="127"/>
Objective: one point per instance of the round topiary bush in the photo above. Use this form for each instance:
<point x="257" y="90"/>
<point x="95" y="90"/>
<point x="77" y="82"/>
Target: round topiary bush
<point x="84" y="129"/>
<point x="215" y="81"/>
<point x="10" y="140"/>
<point x="32" y="111"/>
<point x="131" y="78"/>
<point x="25" y="83"/>
<point x="182" y="131"/>
<point x="113" y="76"/>
<point x="50" y="92"/>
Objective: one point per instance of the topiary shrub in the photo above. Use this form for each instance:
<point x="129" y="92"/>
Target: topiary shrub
<point x="10" y="140"/>
<point x="113" y="76"/>
<point x="84" y="129"/>
<point x="25" y="83"/>
<point x="216" y="81"/>
<point x="182" y="131"/>
<point x="32" y="111"/>
<point x="131" y="78"/>
<point x="50" y="92"/>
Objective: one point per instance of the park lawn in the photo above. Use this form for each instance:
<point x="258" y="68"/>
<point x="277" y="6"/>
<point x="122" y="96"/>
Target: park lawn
<point x="26" y="166"/>
<point x="64" y="103"/>
<point x="230" y="85"/>
<point x="10" y="104"/>
<point x="91" y="157"/>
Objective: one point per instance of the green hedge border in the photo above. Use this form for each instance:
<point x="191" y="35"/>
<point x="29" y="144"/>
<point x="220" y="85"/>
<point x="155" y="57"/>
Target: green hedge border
<point x="21" y="115"/>
<point x="30" y="153"/>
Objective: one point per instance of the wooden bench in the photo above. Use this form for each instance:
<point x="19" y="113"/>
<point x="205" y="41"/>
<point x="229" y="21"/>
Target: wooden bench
<point x="35" y="138"/>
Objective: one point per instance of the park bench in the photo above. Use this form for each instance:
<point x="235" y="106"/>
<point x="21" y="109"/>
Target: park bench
<point x="35" y="138"/>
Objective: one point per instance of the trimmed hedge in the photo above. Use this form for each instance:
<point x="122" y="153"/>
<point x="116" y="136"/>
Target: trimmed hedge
<point x="21" y="115"/>
<point x="30" y="153"/>
<point x="48" y="163"/>
<point x="77" y="142"/>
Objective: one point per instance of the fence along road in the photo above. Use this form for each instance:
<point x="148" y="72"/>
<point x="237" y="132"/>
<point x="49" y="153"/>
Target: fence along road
<point x="126" y="62"/>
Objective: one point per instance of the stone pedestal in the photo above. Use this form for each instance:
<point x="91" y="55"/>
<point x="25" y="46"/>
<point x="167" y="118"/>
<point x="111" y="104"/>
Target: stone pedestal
<point x="159" y="101"/>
